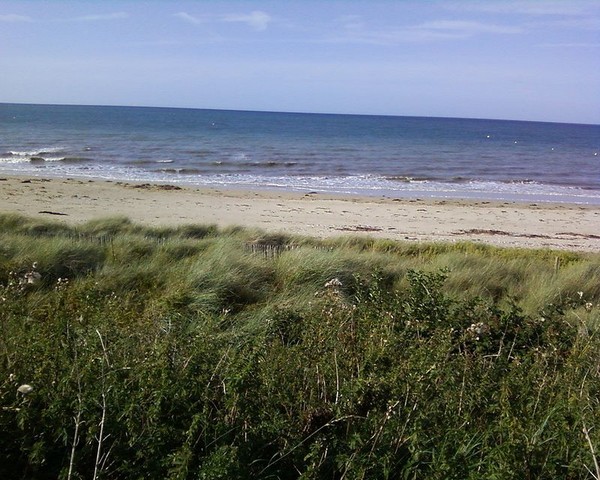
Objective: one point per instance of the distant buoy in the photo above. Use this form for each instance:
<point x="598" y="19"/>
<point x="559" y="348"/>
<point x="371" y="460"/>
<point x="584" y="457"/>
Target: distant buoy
<point x="487" y="136"/>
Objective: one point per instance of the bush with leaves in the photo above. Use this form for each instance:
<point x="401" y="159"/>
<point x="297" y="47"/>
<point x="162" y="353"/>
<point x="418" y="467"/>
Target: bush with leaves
<point x="184" y="354"/>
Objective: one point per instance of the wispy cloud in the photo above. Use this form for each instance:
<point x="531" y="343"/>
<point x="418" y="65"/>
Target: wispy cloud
<point x="390" y="37"/>
<point x="100" y="17"/>
<point x="466" y="28"/>
<point x="583" y="23"/>
<point x="186" y="17"/>
<point x="256" y="20"/>
<point x="351" y="22"/>
<point x="12" y="18"/>
<point x="524" y="7"/>
<point x="83" y="18"/>
<point x="356" y="31"/>
<point x="569" y="45"/>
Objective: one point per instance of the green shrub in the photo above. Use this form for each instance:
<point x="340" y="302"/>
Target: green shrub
<point x="183" y="353"/>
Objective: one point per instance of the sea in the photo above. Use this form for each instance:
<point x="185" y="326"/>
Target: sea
<point x="381" y="156"/>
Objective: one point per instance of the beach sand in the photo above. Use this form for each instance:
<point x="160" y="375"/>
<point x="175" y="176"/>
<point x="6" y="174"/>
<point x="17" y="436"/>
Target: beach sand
<point x="505" y="224"/>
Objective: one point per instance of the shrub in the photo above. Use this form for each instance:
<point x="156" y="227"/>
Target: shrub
<point x="165" y="355"/>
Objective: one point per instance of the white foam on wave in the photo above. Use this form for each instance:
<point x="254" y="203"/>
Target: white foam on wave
<point x="377" y="186"/>
<point x="53" y="159"/>
<point x="363" y="185"/>
<point x="33" y="153"/>
<point x="30" y="159"/>
<point x="14" y="159"/>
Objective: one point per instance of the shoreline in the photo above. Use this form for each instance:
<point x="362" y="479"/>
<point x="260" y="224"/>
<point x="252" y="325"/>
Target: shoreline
<point x="431" y="190"/>
<point x="500" y="223"/>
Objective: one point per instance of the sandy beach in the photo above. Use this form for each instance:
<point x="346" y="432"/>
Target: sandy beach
<point x="505" y="224"/>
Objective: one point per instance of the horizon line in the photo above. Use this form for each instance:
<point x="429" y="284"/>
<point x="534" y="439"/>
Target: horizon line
<point x="295" y="112"/>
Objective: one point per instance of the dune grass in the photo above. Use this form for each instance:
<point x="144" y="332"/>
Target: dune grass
<point x="195" y="352"/>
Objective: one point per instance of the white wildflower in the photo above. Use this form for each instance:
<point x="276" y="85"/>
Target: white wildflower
<point x="25" y="389"/>
<point x="477" y="330"/>
<point x="333" y="283"/>
<point x="33" y="278"/>
<point x="589" y="306"/>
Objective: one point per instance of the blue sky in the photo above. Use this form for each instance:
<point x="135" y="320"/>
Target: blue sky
<point x="526" y="60"/>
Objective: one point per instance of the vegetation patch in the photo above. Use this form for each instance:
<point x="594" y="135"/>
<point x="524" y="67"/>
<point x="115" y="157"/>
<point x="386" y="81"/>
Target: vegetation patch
<point x="194" y="352"/>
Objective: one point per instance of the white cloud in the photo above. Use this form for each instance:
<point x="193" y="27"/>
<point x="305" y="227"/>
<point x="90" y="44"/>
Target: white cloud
<point x="351" y="22"/>
<point x="569" y="45"/>
<point x="532" y="7"/>
<point x="466" y="28"/>
<point x="438" y="30"/>
<point x="257" y="20"/>
<point x="186" y="17"/>
<point x="587" y="23"/>
<point x="393" y="37"/>
<point x="101" y="17"/>
<point x="84" y="18"/>
<point x="11" y="17"/>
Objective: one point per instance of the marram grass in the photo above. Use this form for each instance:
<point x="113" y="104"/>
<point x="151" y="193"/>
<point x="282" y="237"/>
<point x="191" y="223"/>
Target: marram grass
<point x="194" y="352"/>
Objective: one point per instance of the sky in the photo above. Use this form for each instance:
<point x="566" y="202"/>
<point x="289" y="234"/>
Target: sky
<point x="501" y="59"/>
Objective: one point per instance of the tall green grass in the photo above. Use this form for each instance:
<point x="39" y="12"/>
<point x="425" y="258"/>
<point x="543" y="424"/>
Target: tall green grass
<point x="195" y="352"/>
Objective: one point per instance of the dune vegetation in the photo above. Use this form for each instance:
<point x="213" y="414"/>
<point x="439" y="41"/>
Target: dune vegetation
<point x="198" y="353"/>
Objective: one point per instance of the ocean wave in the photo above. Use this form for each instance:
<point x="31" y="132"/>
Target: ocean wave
<point x="265" y="164"/>
<point x="378" y="185"/>
<point x="10" y="159"/>
<point x="399" y="186"/>
<point x="260" y="163"/>
<point x="144" y="162"/>
<point x="407" y="179"/>
<point x="227" y="165"/>
<point x="200" y="152"/>
<point x="76" y="159"/>
<point x="37" y="159"/>
<point x="35" y="153"/>
<point x="342" y="149"/>
<point x="181" y="171"/>
<point x="40" y="159"/>
<point x="461" y="180"/>
<point x="525" y="181"/>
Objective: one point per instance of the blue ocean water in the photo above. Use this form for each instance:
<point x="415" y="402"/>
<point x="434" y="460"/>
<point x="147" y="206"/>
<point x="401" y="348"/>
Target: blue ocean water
<point x="345" y="154"/>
